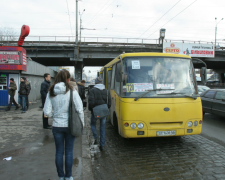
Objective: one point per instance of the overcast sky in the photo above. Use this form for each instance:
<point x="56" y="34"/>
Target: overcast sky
<point x="183" y="20"/>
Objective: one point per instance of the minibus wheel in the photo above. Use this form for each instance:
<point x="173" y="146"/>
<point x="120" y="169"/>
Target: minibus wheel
<point x="115" y="122"/>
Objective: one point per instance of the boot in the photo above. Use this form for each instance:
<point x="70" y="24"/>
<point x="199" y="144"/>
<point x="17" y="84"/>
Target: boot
<point x="96" y="141"/>
<point x="7" y="109"/>
<point x="17" y="107"/>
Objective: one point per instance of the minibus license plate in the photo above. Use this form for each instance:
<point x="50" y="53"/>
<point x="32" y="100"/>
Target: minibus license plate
<point x="166" y="133"/>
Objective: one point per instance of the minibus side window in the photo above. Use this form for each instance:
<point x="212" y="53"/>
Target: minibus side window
<point x="117" y="84"/>
<point x="113" y="76"/>
<point x="109" y="78"/>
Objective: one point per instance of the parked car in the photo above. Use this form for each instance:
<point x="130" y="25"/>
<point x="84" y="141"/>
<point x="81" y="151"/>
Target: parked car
<point x="208" y="83"/>
<point x="89" y="88"/>
<point x="213" y="101"/>
<point x="202" y="88"/>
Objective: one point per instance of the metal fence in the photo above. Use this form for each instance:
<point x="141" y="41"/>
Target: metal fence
<point x="94" y="40"/>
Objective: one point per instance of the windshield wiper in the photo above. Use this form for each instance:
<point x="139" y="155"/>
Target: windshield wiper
<point x="190" y="96"/>
<point x="141" y="95"/>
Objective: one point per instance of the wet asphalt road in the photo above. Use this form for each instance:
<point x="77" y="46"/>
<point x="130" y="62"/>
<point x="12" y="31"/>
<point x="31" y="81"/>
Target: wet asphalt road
<point x="188" y="157"/>
<point x="31" y="147"/>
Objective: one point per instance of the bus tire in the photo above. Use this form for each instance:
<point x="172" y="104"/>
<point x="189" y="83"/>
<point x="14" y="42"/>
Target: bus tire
<point x="115" y="122"/>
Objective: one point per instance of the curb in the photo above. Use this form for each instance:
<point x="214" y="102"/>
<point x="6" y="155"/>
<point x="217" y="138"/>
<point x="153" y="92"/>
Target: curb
<point x="87" y="172"/>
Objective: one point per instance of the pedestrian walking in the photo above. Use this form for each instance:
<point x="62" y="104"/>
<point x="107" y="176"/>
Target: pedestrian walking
<point x="12" y="92"/>
<point x="27" y="99"/>
<point x="23" y="92"/>
<point x="58" y="99"/>
<point x="81" y="88"/>
<point x="44" y="91"/>
<point x="74" y="84"/>
<point x="98" y="96"/>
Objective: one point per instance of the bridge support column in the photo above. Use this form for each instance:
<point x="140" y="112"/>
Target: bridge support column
<point x="222" y="78"/>
<point x="78" y="70"/>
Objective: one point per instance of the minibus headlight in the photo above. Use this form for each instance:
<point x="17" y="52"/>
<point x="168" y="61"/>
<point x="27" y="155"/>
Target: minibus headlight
<point x="133" y="125"/>
<point x="140" y="125"/>
<point x="189" y="124"/>
<point x="195" y="123"/>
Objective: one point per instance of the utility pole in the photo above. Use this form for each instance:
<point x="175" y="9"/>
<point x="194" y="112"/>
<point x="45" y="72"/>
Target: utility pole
<point x="76" y="22"/>
<point x="80" y="28"/>
<point x="216" y="30"/>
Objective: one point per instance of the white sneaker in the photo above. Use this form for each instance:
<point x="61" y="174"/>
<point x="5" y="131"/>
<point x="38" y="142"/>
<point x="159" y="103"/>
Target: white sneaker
<point x="71" y="178"/>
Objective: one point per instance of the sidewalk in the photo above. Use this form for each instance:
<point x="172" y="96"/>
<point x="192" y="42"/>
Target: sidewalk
<point x="33" y="150"/>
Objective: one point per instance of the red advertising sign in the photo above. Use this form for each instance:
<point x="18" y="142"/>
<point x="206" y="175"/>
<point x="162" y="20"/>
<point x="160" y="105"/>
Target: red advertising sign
<point x="13" y="58"/>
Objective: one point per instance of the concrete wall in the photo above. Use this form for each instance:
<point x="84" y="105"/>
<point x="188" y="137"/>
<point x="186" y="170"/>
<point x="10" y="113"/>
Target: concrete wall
<point x="34" y="75"/>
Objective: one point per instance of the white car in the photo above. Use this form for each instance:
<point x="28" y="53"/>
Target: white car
<point x="202" y="88"/>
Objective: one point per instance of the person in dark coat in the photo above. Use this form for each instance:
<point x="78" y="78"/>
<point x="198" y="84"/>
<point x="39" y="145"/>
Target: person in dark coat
<point x="27" y="99"/>
<point x="12" y="92"/>
<point x="81" y="89"/>
<point x="98" y="96"/>
<point x="23" y="92"/>
<point x="44" y="91"/>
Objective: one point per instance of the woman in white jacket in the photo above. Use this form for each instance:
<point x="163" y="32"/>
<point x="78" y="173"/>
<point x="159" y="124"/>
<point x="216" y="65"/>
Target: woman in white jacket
<point x="57" y="107"/>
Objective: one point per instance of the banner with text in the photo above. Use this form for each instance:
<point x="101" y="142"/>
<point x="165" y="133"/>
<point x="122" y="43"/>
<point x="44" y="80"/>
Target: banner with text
<point x="193" y="49"/>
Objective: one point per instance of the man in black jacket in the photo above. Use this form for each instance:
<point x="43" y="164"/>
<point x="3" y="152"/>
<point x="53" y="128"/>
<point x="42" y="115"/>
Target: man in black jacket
<point x="44" y="91"/>
<point x="27" y="99"/>
<point x="81" y="87"/>
<point x="98" y="96"/>
<point x="23" y="92"/>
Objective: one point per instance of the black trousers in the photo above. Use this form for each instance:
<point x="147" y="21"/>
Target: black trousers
<point x="12" y="100"/>
<point x="27" y="100"/>
<point x="45" y="120"/>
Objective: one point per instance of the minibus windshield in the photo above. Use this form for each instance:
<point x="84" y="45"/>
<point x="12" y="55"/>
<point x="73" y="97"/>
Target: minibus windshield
<point x="165" y="76"/>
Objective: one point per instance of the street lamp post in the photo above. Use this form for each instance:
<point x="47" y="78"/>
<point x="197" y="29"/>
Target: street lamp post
<point x="216" y="29"/>
<point x="81" y="23"/>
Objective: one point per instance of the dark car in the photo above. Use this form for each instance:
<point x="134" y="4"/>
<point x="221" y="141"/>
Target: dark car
<point x="89" y="88"/>
<point x="213" y="101"/>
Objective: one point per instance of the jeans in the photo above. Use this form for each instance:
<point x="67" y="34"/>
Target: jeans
<point x="22" y="102"/>
<point x="102" y="129"/>
<point x="62" y="136"/>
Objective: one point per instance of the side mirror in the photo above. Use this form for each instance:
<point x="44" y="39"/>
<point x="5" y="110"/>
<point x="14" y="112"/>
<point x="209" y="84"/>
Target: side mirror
<point x="119" y="73"/>
<point x="203" y="75"/>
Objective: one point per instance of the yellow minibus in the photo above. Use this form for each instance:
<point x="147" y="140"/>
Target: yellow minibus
<point x="153" y="95"/>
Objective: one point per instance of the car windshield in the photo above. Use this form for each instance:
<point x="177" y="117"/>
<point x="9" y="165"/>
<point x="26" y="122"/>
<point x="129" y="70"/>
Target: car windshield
<point x="161" y="76"/>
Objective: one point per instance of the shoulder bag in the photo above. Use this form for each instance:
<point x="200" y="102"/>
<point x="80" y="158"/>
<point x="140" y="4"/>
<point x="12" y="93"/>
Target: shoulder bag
<point x="75" y="124"/>
<point x="102" y="110"/>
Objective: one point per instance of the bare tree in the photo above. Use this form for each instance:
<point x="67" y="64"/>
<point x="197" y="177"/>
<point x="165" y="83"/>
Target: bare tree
<point x="7" y="34"/>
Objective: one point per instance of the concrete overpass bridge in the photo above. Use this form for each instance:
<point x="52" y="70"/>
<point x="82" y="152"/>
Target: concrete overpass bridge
<point x="62" y="51"/>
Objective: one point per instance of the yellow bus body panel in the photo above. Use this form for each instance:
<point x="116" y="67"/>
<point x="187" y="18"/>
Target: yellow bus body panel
<point x="150" y="112"/>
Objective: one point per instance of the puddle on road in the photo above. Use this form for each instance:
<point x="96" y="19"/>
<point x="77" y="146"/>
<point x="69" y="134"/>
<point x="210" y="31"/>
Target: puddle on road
<point x="47" y="140"/>
<point x="16" y="118"/>
<point x="75" y="162"/>
<point x="12" y="153"/>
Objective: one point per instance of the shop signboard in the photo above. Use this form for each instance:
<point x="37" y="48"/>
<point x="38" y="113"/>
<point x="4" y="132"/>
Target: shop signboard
<point x="13" y="58"/>
<point x="190" y="49"/>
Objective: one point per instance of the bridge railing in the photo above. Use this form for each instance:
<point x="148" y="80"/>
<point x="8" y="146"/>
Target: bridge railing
<point x="93" y="40"/>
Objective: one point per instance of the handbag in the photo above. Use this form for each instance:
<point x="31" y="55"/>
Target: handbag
<point x="102" y="110"/>
<point x="75" y="124"/>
